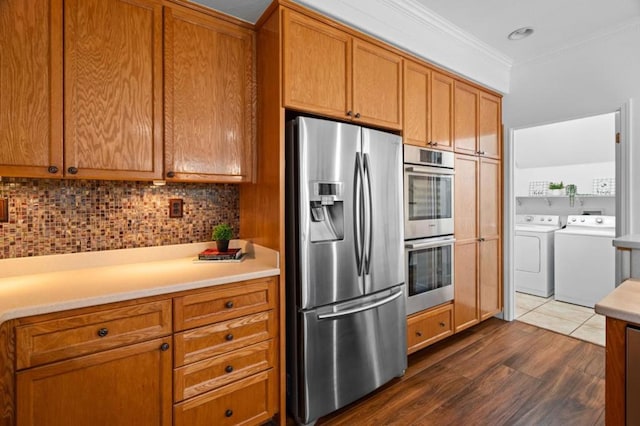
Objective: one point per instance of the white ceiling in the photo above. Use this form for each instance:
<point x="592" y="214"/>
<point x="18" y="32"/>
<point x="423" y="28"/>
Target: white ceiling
<point x="557" y="23"/>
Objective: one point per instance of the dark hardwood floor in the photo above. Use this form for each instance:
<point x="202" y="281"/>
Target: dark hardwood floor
<point x="497" y="373"/>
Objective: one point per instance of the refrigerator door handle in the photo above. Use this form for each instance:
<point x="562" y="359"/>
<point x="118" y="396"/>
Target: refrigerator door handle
<point x="357" y="214"/>
<point x="368" y="215"/>
<point x="346" y="312"/>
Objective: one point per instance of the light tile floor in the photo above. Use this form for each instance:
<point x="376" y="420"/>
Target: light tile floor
<point x="565" y="318"/>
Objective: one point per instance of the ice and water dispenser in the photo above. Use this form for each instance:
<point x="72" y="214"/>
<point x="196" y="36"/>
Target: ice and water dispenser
<point x="327" y="211"/>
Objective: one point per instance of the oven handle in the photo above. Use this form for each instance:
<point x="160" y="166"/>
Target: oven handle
<point x="361" y="308"/>
<point x="429" y="170"/>
<point x="430" y="242"/>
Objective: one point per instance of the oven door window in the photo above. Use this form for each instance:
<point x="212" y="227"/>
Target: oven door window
<point x="429" y="269"/>
<point x="429" y="197"/>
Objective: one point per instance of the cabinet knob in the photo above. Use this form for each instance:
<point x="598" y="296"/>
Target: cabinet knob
<point x="229" y="337"/>
<point x="72" y="170"/>
<point x="357" y="115"/>
<point x="442" y="324"/>
<point x="228" y="413"/>
<point x="228" y="368"/>
<point x="481" y="239"/>
<point x="164" y="347"/>
<point x="349" y="113"/>
<point x="103" y="332"/>
<point x="171" y="174"/>
<point x="229" y="304"/>
<point x="419" y="333"/>
<point x="52" y="169"/>
<point x="429" y="143"/>
<point x="435" y="144"/>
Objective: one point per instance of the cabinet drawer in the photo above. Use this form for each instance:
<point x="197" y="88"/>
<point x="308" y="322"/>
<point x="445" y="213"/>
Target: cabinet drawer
<point x="247" y="401"/>
<point x="234" y="301"/>
<point x="428" y="327"/>
<point x="203" y="376"/>
<point x="204" y="342"/>
<point x="69" y="337"/>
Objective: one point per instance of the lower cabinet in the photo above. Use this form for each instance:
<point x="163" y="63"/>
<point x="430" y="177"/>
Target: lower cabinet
<point x="202" y="357"/>
<point x="124" y="386"/>
<point x="425" y="328"/>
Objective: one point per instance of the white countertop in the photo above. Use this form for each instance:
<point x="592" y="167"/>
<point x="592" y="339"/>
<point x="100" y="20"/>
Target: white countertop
<point x="44" y="284"/>
<point x="629" y="241"/>
<point x="623" y="303"/>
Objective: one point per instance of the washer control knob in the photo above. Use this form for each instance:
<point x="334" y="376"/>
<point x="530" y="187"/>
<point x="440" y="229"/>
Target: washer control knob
<point x="573" y="219"/>
<point x="529" y="218"/>
<point x="542" y="219"/>
<point x="582" y="220"/>
<point x="599" y="220"/>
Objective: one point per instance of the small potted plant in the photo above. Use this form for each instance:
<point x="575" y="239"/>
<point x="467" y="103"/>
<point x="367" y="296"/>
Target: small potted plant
<point x="221" y="235"/>
<point x="556" y="188"/>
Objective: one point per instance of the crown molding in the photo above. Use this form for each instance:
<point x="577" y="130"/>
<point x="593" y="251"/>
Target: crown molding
<point x="425" y="16"/>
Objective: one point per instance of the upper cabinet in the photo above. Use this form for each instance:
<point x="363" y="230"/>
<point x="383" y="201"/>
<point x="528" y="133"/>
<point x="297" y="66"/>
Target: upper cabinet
<point x="428" y="107"/>
<point x="31" y="88"/>
<point x="329" y="72"/>
<point x="113" y="89"/>
<point x="478" y="121"/>
<point x="209" y="98"/>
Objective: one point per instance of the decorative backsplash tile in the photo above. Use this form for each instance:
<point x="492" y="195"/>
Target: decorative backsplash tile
<point x="69" y="216"/>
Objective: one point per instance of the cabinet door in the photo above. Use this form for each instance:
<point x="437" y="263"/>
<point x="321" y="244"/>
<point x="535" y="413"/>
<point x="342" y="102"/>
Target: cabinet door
<point x="113" y="89"/>
<point x="125" y="386"/>
<point x="466" y="118"/>
<point x="490" y="124"/>
<point x="31" y="88"/>
<point x="377" y="85"/>
<point x="415" y="130"/>
<point x="316" y="66"/>
<point x="465" y="287"/>
<point x="490" y="195"/>
<point x="466" y="198"/>
<point x="441" y="111"/>
<point x="209" y="98"/>
<point x="489" y="278"/>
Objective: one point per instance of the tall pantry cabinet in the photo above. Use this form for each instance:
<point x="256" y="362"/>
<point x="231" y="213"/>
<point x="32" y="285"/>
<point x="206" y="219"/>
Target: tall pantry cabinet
<point x="478" y="206"/>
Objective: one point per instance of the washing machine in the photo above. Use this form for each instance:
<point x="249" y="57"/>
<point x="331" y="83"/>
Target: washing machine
<point x="533" y="249"/>
<point x="585" y="259"/>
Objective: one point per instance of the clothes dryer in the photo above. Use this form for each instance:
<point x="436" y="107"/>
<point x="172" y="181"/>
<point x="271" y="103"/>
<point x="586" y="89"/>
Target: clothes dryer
<point x="534" y="258"/>
<point x="585" y="259"/>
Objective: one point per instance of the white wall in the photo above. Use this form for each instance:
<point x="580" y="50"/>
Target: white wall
<point x="595" y="77"/>
<point x="581" y="175"/>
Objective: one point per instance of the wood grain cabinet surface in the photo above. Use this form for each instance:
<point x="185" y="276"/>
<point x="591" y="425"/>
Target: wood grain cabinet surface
<point x="327" y="71"/>
<point x="113" y="89"/>
<point x="123" y="364"/>
<point x="31" y="88"/>
<point x="209" y="98"/>
<point x="428" y="107"/>
<point x="478" y="121"/>
<point x="478" y="248"/>
<point x="426" y="328"/>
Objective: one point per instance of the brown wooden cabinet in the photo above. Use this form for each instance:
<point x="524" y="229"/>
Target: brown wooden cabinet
<point x="478" y="249"/>
<point x="327" y="71"/>
<point x="426" y="328"/>
<point x="122" y="364"/>
<point x="113" y="89"/>
<point x="478" y="121"/>
<point x="225" y="360"/>
<point x="31" y="88"/>
<point x="428" y="107"/>
<point x="123" y="386"/>
<point x="209" y="98"/>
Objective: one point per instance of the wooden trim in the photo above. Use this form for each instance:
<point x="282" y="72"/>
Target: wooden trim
<point x="7" y="371"/>
<point x="615" y="373"/>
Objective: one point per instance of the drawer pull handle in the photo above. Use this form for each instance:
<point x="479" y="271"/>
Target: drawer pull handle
<point x="442" y="324"/>
<point x="229" y="304"/>
<point x="357" y="115"/>
<point x="419" y="333"/>
<point x="164" y="347"/>
<point x="52" y="169"/>
<point x="103" y="332"/>
<point x="229" y="337"/>
<point x="228" y="368"/>
<point x="72" y="170"/>
<point x="228" y="413"/>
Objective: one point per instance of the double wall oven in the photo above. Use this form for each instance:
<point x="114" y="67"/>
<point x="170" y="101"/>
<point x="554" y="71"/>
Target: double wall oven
<point x="428" y="226"/>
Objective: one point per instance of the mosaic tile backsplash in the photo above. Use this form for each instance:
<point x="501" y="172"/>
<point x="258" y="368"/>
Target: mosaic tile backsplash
<point x="70" y="216"/>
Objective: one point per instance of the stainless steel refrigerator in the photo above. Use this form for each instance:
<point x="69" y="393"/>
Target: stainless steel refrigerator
<point x="346" y="318"/>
